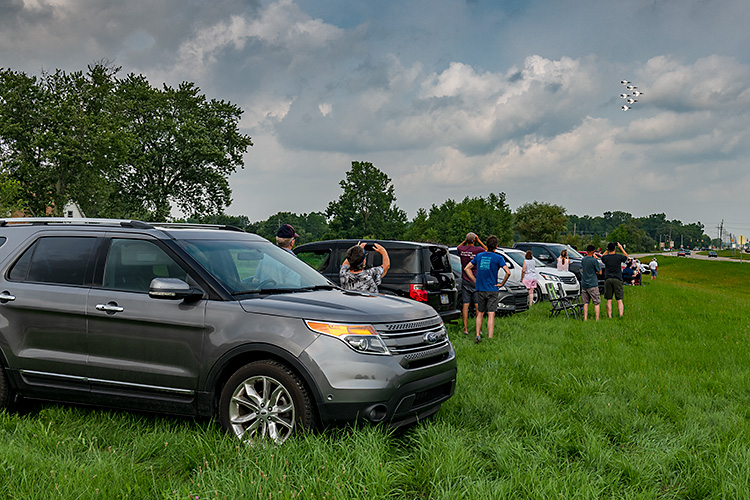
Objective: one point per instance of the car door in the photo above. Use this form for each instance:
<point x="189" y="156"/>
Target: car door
<point x="142" y="347"/>
<point x="43" y="315"/>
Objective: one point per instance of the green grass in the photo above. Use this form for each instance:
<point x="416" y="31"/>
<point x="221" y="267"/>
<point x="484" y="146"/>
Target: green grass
<point x="653" y="405"/>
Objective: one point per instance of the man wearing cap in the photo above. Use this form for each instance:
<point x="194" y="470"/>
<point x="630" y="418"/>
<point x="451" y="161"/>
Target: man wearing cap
<point x="467" y="250"/>
<point x="285" y="237"/>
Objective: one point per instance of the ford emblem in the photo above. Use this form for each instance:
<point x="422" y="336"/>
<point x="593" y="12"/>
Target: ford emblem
<point x="433" y="337"/>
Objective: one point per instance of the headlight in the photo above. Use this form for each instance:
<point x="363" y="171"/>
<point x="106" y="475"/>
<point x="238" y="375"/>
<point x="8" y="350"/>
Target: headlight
<point x="550" y="277"/>
<point x="361" y="338"/>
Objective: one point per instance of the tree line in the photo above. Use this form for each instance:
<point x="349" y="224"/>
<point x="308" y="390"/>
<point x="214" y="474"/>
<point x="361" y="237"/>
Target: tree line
<point x="366" y="208"/>
<point x="122" y="148"/>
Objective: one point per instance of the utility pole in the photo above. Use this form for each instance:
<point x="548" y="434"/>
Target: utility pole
<point x="721" y="234"/>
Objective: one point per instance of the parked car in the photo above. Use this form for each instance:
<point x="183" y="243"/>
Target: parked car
<point x="514" y="258"/>
<point x="548" y="253"/>
<point x="419" y="271"/>
<point x="513" y="295"/>
<point x="712" y="253"/>
<point x="207" y="321"/>
<point x="681" y="253"/>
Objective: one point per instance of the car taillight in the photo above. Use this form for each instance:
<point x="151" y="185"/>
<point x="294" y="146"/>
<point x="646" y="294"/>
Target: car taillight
<point x="417" y="292"/>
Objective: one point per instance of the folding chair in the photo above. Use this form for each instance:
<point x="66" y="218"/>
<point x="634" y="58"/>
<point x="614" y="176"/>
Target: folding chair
<point x="561" y="303"/>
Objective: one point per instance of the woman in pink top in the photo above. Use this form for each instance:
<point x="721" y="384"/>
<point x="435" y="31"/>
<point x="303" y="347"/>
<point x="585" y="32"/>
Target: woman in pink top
<point x="563" y="261"/>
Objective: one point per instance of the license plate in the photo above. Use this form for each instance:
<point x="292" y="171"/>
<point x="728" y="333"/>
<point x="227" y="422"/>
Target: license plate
<point x="443" y="298"/>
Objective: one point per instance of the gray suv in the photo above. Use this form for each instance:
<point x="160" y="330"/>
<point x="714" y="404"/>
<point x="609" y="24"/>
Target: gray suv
<point x="207" y="321"/>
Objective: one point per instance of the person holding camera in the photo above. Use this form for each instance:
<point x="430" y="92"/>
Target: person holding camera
<point x="353" y="274"/>
<point x="613" y="276"/>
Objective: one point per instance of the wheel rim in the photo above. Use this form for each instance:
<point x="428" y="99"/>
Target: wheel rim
<point x="261" y="408"/>
<point x="537" y="295"/>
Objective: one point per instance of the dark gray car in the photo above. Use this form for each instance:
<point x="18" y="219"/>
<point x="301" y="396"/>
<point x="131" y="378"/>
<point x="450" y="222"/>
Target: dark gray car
<point x="207" y="321"/>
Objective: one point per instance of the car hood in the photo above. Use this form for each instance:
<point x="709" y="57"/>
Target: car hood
<point x="339" y="306"/>
<point x="555" y="272"/>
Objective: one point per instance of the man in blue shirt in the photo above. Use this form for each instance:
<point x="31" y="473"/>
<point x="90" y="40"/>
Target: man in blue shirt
<point x="488" y="265"/>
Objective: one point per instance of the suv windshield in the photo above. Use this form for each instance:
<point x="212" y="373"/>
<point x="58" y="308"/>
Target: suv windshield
<point x="252" y="266"/>
<point x="518" y="258"/>
<point x="556" y="248"/>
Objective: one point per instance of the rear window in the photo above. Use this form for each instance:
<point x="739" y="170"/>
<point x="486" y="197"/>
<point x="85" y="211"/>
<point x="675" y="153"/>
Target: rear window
<point x="405" y="260"/>
<point x="439" y="262"/>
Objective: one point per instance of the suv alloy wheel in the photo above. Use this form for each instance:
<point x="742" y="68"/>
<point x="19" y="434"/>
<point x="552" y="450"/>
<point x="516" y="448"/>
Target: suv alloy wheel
<point x="265" y="400"/>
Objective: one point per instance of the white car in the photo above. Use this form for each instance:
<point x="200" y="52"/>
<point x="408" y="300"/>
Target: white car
<point x="514" y="258"/>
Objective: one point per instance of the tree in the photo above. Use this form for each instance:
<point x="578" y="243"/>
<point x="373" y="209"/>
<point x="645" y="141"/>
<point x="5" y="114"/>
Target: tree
<point x="10" y="196"/>
<point x="540" y="221"/>
<point x="632" y="238"/>
<point x="119" y="148"/>
<point x="449" y="222"/>
<point x="181" y="149"/>
<point x="310" y="227"/>
<point x="366" y="208"/>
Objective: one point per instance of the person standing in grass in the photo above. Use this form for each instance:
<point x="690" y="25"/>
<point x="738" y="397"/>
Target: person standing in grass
<point x="652" y="266"/>
<point x="528" y="275"/>
<point x="467" y="250"/>
<point x="488" y="265"/>
<point x="590" y="270"/>
<point x="613" y="276"/>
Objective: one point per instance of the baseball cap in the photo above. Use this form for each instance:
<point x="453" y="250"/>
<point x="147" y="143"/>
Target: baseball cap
<point x="286" y="231"/>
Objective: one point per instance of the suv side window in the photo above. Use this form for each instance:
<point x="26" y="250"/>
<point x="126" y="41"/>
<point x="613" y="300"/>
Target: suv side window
<point x="132" y="264"/>
<point x="542" y="254"/>
<point x="317" y="259"/>
<point x="55" y="259"/>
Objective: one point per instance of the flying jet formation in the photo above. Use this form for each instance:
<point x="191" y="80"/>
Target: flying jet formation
<point x="629" y="98"/>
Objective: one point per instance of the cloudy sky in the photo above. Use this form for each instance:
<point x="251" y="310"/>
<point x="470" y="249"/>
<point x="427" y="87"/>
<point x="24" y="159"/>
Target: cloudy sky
<point x="450" y="98"/>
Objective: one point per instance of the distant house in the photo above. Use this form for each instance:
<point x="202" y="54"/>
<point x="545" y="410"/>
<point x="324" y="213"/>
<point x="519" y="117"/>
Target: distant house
<point x="71" y="209"/>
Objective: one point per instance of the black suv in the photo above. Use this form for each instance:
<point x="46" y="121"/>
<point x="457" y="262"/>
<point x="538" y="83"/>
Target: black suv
<point x="549" y="252"/>
<point x="207" y="321"/>
<point x="419" y="271"/>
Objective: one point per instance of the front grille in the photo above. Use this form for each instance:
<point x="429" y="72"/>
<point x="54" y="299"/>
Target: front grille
<point x="421" y="343"/>
<point x="570" y="280"/>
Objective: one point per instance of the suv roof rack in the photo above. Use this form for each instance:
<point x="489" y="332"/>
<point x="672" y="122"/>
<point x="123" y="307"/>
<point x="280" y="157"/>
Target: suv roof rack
<point x="74" y="220"/>
<point x="188" y="225"/>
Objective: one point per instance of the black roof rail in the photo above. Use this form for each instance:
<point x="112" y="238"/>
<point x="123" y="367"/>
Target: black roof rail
<point x="74" y="220"/>
<point x="188" y="225"/>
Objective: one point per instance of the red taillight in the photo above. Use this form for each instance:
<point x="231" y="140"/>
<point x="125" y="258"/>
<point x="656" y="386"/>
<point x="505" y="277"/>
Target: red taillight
<point x="418" y="293"/>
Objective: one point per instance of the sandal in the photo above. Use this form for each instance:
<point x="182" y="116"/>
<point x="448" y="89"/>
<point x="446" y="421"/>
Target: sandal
<point x="478" y="339"/>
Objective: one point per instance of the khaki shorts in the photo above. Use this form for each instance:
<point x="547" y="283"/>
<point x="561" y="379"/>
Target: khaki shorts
<point x="591" y="294"/>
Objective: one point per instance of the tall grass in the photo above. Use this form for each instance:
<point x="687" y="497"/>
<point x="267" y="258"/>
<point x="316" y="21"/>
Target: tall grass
<point x="653" y="405"/>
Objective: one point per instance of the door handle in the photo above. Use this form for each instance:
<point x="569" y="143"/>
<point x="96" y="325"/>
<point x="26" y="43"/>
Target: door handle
<point x="110" y="308"/>
<point x="6" y="296"/>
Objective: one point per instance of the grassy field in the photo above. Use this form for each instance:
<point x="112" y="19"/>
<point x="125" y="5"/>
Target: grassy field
<point x="653" y="405"/>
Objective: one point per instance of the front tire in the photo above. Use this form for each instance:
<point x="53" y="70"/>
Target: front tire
<point x="5" y="392"/>
<point x="537" y="295"/>
<point x="265" y="400"/>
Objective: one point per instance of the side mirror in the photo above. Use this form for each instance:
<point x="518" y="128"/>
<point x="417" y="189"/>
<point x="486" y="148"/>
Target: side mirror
<point x="173" y="289"/>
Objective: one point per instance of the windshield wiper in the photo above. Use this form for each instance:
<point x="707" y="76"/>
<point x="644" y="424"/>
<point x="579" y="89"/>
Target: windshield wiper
<point x="274" y="291"/>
